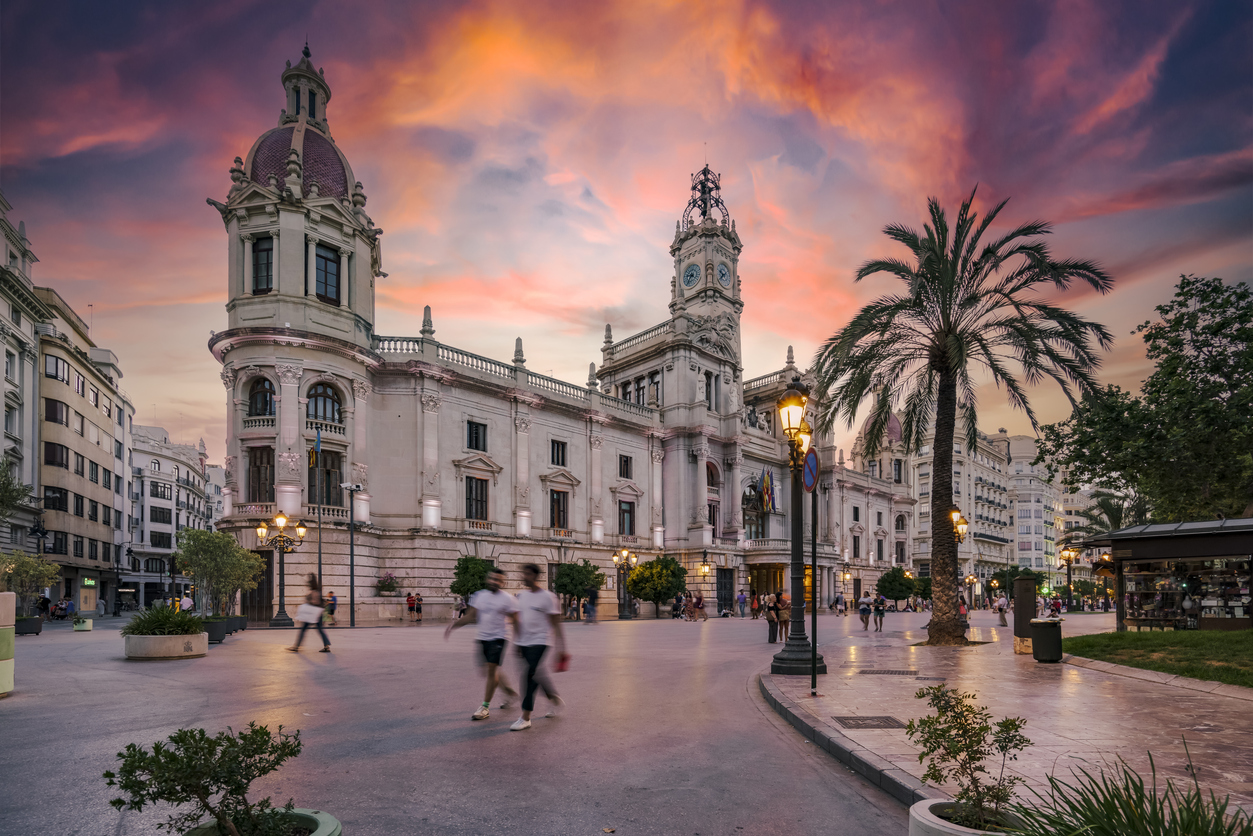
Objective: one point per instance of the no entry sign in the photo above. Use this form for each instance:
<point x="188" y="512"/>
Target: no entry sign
<point x="809" y="472"/>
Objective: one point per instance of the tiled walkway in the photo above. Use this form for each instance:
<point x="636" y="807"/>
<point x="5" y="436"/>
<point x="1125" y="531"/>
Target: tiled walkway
<point x="1076" y="717"/>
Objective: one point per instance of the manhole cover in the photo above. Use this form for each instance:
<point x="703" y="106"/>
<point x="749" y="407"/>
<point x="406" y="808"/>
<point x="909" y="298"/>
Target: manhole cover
<point x="929" y="678"/>
<point x="869" y="722"/>
<point x="889" y="673"/>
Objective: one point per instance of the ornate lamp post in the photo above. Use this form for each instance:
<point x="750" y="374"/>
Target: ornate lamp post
<point x="283" y="543"/>
<point x="1068" y="554"/>
<point x="625" y="560"/>
<point x="797" y="656"/>
<point x="971" y="580"/>
<point x="353" y="490"/>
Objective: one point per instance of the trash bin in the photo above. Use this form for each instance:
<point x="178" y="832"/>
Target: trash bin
<point x="1046" y="639"/>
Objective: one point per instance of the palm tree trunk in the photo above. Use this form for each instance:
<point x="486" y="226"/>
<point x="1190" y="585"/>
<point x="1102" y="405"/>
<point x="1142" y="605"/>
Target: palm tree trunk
<point x="946" y="625"/>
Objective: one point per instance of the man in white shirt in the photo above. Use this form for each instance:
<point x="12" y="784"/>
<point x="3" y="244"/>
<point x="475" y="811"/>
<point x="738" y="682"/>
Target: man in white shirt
<point x="1002" y="604"/>
<point x="538" y="620"/>
<point x="186" y="605"/>
<point x="491" y="608"/>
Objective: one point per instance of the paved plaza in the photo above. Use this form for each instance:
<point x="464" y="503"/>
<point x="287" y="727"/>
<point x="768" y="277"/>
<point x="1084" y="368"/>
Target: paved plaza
<point x="666" y="732"/>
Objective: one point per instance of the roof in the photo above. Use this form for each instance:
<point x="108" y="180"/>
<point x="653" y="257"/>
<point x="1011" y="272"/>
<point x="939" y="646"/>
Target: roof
<point x="1144" y="532"/>
<point x="321" y="161"/>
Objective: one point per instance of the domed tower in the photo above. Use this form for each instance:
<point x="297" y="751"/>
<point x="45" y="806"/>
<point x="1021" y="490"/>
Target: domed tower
<point x="706" y="252"/>
<point x="302" y="258"/>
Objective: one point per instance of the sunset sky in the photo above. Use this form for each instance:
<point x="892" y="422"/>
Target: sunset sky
<point x="528" y="161"/>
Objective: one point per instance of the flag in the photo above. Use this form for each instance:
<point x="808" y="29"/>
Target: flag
<point x="317" y="448"/>
<point x="767" y="492"/>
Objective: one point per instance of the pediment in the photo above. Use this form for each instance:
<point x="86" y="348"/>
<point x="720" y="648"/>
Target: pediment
<point x="627" y="489"/>
<point x="559" y="477"/>
<point x="857" y="528"/>
<point x="480" y="463"/>
<point x="881" y="532"/>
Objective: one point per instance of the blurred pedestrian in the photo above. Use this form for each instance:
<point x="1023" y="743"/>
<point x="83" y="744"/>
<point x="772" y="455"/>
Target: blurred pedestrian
<point x="742" y="600"/>
<point x="417" y="602"/>
<point x="537" y="623"/>
<point x="332" y="604"/>
<point x="863" y="610"/>
<point x="490" y="609"/>
<point x="1001" y="606"/>
<point x="310" y="612"/>
<point x="785" y="616"/>
<point x="880" y="607"/>
<point x="593" y="598"/>
<point x="411" y="604"/>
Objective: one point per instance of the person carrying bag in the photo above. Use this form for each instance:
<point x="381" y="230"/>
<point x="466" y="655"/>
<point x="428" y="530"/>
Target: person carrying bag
<point x="310" y="612"/>
<point x="772" y="618"/>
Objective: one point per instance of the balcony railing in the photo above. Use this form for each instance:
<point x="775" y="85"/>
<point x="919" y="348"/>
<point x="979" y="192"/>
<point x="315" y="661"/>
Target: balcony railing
<point x="260" y="422"/>
<point x="628" y="540"/>
<point x="329" y="512"/>
<point x="473" y="361"/>
<point x="326" y="427"/>
<point x="563" y="533"/>
<point x="479" y="525"/>
<point x="728" y="542"/>
<point x="254" y="509"/>
<point x="764" y="380"/>
<point x="560" y="387"/>
<point x="771" y="543"/>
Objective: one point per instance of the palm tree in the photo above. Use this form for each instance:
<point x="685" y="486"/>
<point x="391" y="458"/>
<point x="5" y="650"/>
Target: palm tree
<point x="1109" y="512"/>
<point x="967" y="307"/>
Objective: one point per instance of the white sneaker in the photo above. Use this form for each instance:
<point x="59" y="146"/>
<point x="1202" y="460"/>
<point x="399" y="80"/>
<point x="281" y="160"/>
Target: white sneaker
<point x="481" y="714"/>
<point x="520" y="725"/>
<point x="554" y="709"/>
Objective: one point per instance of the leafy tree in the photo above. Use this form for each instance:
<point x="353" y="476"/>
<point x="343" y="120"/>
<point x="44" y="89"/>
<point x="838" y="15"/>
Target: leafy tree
<point x="469" y="575"/>
<point x="922" y="587"/>
<point x="26" y="575"/>
<point x="1005" y="578"/>
<point x="1185" y="446"/>
<point x="894" y="586"/>
<point x="13" y="492"/>
<point x="574" y="579"/>
<point x="219" y="565"/>
<point x="657" y="581"/>
<point x="1108" y="512"/>
<point x="967" y="307"/>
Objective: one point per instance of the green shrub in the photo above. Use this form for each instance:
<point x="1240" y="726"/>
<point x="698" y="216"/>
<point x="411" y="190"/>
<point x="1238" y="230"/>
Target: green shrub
<point x="163" y="621"/>
<point x="212" y="774"/>
<point x="1121" y="805"/>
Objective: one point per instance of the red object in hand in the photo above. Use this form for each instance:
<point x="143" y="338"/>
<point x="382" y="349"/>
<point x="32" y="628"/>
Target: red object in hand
<point x="563" y="663"/>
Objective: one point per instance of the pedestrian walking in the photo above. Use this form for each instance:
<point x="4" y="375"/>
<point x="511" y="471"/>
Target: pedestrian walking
<point x="310" y="612"/>
<point x="332" y="604"/>
<point x="538" y="623"/>
<point x="785" y="616"/>
<point x="863" y="610"/>
<point x="755" y="603"/>
<point x="412" y="604"/>
<point x="593" y="598"/>
<point x="1001" y="606"/>
<point x="880" y="607"/>
<point x="699" y="606"/>
<point x="742" y="600"/>
<point x="417" y="602"/>
<point x="772" y="617"/>
<point x="490" y="609"/>
<point x="840" y="607"/>
<point x="44" y="607"/>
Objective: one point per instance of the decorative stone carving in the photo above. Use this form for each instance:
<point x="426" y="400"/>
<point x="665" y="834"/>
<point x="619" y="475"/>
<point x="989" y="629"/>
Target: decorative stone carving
<point x="701" y="451"/>
<point x="289" y="375"/>
<point x="431" y="402"/>
<point x="656" y="514"/>
<point x="361" y="475"/>
<point x="596" y="441"/>
<point x="716" y="334"/>
<point x="596" y="507"/>
<point x="238" y="179"/>
<point x="228" y="378"/>
<point x="289" y="460"/>
<point x="249" y="372"/>
<point x="522" y="423"/>
<point x="698" y="515"/>
<point x="736" y="520"/>
<point x="229" y="466"/>
<point x="524" y="496"/>
<point x="734" y="461"/>
<point x="658" y="455"/>
<point x="360" y="390"/>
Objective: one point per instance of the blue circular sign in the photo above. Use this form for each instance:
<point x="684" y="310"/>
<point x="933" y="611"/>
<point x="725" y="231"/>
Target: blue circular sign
<point x="809" y="472"/>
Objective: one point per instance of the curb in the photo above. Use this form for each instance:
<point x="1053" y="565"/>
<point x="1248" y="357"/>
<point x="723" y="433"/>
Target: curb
<point x="1221" y="689"/>
<point x="902" y="786"/>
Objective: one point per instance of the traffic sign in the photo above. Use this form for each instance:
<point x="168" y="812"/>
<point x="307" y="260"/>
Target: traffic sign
<point x="809" y="472"/>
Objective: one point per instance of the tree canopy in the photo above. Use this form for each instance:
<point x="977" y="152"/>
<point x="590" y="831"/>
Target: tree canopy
<point x="893" y="584"/>
<point x="218" y="565"/>
<point x="574" y="579"/>
<point x="26" y="575"/>
<point x="469" y="575"/>
<point x="657" y="581"/>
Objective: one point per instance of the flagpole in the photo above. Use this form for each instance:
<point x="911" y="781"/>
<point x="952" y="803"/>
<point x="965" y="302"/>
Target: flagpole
<point x="318" y="459"/>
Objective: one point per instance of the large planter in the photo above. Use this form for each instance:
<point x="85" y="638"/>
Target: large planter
<point x="166" y="647"/>
<point x="924" y="821"/>
<point x="241" y="622"/>
<point x="216" y="630"/>
<point x="84" y="627"/>
<point x="29" y="626"/>
<point x="322" y="824"/>
<point x="390" y="593"/>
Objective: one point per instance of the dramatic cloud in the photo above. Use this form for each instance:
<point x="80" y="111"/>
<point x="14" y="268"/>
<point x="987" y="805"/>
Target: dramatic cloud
<point x="528" y="161"/>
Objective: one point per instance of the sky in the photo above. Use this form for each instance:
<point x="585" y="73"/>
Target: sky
<point x="528" y="161"/>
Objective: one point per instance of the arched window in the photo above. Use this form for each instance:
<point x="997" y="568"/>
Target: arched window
<point x="261" y="397"/>
<point x="900" y="522"/>
<point x="156" y="465"/>
<point x="711" y="475"/>
<point x="323" y="404"/>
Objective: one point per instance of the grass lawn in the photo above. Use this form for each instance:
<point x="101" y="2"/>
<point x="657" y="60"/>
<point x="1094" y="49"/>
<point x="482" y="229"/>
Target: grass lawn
<point x="1214" y="655"/>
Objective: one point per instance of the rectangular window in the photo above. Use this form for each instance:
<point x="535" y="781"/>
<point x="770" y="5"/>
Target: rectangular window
<point x="261" y="474"/>
<point x="559" y="453"/>
<point x="262" y="265"/>
<point x="93" y="510"/>
<point x="60" y="542"/>
<point x="163" y="491"/>
<point x="93" y="550"/>
<point x="56" y="455"/>
<point x="77" y="423"/>
<point x="106" y="515"/>
<point x="160" y="539"/>
<point x="856" y="513"/>
<point x="117" y="519"/>
<point x="120" y="421"/>
<point x="106" y="406"/>
<point x="558" y="509"/>
<point x="93" y="472"/>
<point x="476" y="498"/>
<point x="56" y="499"/>
<point x="160" y="515"/>
<point x="16" y="313"/>
<point x="900" y="551"/>
<point x="624" y="467"/>
<point x="93" y="396"/>
<point x="331" y="466"/>
<point x="117" y="449"/>
<point x="117" y="483"/>
<point x="56" y="368"/>
<point x="10" y="365"/>
<point x="639" y="391"/>
<point x="78" y="505"/>
<point x="56" y="412"/>
<point x="626" y="518"/>
<point x="80" y="466"/>
<point x="878" y="549"/>
<point x="107" y="480"/>
<point x="80" y="384"/>
<point x="878" y="518"/>
<point x="856" y="547"/>
<point x="897" y="467"/>
<point x="476" y="436"/>
<point x="711" y="512"/>
<point x="78" y="546"/>
<point x="327" y="279"/>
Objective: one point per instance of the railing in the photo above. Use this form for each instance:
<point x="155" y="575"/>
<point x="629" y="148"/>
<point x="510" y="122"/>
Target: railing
<point x="254" y="509"/>
<point x="329" y="512"/>
<point x="627" y="406"/>
<point x="325" y="426"/>
<point x="641" y="337"/>
<point x="398" y="345"/>
<point x="728" y="542"/>
<point x="473" y="361"/>
<point x="768" y="543"/>
<point x="764" y="380"/>
<point x="628" y="540"/>
<point x="551" y="384"/>
<point x="563" y="533"/>
<point x="263" y="422"/>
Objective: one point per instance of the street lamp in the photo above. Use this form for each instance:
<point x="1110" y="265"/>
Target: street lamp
<point x="1068" y="554"/>
<point x="797" y="656"/>
<point x="283" y="543"/>
<point x="971" y="580"/>
<point x="625" y="560"/>
<point x="353" y="490"/>
<point x="960" y="526"/>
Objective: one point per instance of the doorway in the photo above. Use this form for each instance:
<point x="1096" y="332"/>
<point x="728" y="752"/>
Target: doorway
<point x="726" y="589"/>
<point x="856" y="590"/>
<point x="258" y="604"/>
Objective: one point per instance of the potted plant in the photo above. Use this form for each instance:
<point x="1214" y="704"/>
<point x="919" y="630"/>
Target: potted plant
<point x="81" y="624"/>
<point x="163" y="633"/>
<point x="216" y="627"/>
<point x="223" y="569"/>
<point x="387" y="586"/>
<point x="957" y="742"/>
<point x="208" y="779"/>
<point x="29" y="625"/>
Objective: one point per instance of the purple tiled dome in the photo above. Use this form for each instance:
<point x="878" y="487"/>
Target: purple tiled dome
<point x="893" y="432"/>
<point x="320" y="159"/>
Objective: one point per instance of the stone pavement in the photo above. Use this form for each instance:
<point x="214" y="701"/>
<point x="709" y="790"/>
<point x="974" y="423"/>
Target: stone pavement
<point x="1077" y="717"/>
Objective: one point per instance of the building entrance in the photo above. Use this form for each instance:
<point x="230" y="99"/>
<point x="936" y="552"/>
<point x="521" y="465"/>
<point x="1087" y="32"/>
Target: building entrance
<point x="766" y="578"/>
<point x="258" y="604"/>
<point x="726" y="589"/>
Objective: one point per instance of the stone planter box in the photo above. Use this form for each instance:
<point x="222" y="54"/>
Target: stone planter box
<point x="30" y="626"/>
<point x="166" y="647"/>
<point x="395" y="593"/>
<point x="85" y="627"/>
<point x="924" y="821"/>
<point x="321" y="824"/>
<point x="217" y="630"/>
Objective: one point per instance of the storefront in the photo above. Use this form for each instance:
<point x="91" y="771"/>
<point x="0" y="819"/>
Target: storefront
<point x="1183" y="576"/>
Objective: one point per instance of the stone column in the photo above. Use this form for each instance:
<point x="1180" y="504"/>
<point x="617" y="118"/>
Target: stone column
<point x="522" y="474"/>
<point x="596" y="518"/>
<point x="731" y="489"/>
<point x="361" y="450"/>
<point x="311" y="265"/>
<point x="231" y="487"/>
<point x="431" y="503"/>
<point x="247" y="263"/>
<point x="698" y="519"/>
<point x="289" y="472"/>
<point x="656" y="498"/>
<point x="347" y="298"/>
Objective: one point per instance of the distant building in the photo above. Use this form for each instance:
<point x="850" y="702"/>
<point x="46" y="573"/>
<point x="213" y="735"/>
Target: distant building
<point x="1036" y="502"/>
<point x="215" y="480"/>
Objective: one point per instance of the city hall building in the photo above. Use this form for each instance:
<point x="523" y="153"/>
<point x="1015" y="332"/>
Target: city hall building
<point x="661" y="451"/>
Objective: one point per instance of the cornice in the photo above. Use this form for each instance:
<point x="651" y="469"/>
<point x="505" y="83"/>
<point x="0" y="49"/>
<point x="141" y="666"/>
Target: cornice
<point x="223" y="342"/>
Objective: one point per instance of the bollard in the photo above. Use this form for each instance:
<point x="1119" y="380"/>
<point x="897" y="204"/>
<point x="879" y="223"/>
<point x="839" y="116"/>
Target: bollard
<point x="8" y="620"/>
<point x="1024" y="611"/>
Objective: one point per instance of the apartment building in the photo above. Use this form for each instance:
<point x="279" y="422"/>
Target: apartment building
<point x="169" y="485"/>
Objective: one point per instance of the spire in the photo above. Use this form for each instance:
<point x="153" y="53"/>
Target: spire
<point x="791" y="360"/>
<point x="428" y="327"/>
<point x="608" y="335"/>
<point x="306" y="89"/>
<point x="519" y="359"/>
<point x="706" y="197"/>
<point x="591" y="376"/>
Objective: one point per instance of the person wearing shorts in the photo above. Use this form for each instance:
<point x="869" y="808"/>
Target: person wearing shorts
<point x="411" y="603"/>
<point x="491" y="609"/>
<point x="417" y="602"/>
<point x="331" y="604"/>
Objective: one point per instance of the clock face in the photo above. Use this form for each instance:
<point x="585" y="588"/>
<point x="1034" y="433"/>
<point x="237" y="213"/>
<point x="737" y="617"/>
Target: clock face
<point x="691" y="275"/>
<point x="724" y="275"/>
